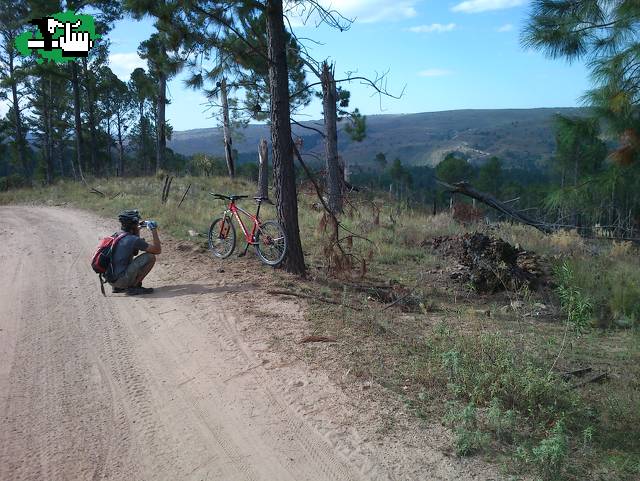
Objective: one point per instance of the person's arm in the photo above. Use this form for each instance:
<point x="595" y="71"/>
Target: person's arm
<point x="155" y="247"/>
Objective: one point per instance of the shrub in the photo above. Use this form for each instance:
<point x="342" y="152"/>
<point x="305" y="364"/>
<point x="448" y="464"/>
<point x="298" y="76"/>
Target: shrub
<point x="13" y="181"/>
<point x="577" y="306"/>
<point x="503" y="392"/>
<point x="550" y="456"/>
<point x="469" y="439"/>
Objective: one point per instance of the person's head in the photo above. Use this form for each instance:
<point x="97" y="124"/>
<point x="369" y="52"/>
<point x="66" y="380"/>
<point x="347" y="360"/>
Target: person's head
<point x="129" y="221"/>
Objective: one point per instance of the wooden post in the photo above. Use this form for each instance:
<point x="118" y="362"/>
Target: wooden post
<point x="263" y="169"/>
<point x="164" y="188"/>
<point x="184" y="195"/>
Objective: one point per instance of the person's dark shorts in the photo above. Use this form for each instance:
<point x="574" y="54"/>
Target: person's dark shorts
<point x="128" y="277"/>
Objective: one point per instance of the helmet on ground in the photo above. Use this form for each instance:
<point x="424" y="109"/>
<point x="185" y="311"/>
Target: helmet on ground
<point x="129" y="218"/>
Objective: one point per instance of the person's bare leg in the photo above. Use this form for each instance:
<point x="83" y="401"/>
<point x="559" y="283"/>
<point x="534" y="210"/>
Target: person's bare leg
<point x="144" y="272"/>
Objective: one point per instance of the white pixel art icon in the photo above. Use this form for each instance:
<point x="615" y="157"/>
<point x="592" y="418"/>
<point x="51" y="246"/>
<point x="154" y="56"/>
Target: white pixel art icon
<point x="72" y="44"/>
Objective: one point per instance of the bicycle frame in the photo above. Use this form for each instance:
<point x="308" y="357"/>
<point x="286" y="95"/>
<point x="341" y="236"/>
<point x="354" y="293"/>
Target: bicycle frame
<point x="234" y="210"/>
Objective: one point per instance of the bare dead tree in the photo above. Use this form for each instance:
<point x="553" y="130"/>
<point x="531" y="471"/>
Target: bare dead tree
<point x="263" y="169"/>
<point x="226" y="129"/>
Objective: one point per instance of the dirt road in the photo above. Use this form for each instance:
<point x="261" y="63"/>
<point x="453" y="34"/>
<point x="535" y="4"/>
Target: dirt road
<point x="202" y="380"/>
<point x="152" y="388"/>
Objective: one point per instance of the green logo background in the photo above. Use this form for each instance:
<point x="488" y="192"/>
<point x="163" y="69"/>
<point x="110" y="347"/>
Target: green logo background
<point x="55" y="55"/>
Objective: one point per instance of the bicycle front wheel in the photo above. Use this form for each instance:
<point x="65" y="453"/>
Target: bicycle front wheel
<point x="222" y="237"/>
<point x="271" y="243"/>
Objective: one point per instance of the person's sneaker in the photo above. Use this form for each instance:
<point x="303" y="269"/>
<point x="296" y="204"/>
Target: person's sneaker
<point x="118" y="290"/>
<point x="136" y="291"/>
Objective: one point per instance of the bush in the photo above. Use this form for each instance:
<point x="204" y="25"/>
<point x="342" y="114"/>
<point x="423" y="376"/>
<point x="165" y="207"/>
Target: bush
<point x="551" y="454"/>
<point x="501" y="392"/>
<point x="610" y="284"/>
<point x="13" y="181"/>
<point x="469" y="439"/>
<point x="577" y="306"/>
<point x="489" y="369"/>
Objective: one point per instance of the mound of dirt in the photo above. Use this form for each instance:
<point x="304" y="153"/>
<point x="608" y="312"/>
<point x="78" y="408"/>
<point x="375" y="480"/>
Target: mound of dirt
<point x="490" y="264"/>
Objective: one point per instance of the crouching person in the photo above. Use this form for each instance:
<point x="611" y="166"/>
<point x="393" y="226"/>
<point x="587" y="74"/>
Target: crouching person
<point x="129" y="268"/>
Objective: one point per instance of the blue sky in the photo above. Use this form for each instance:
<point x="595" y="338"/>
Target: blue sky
<point x="447" y="54"/>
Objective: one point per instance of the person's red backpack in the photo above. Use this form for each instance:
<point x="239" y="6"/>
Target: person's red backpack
<point x="101" y="261"/>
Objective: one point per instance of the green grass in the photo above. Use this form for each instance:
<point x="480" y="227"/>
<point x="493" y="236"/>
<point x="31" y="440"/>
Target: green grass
<point x="197" y="210"/>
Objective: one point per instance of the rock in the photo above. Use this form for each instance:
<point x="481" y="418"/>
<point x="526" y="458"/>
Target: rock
<point x="624" y="322"/>
<point x="192" y="233"/>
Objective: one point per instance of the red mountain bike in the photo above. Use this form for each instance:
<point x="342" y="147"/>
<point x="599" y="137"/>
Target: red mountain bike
<point x="268" y="238"/>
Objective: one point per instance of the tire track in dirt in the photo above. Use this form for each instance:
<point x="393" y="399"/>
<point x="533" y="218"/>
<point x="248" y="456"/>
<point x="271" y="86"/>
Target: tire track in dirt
<point x="105" y="388"/>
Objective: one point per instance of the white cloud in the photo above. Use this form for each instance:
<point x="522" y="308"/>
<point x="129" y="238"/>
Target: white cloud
<point x="434" y="27"/>
<point x="123" y="64"/>
<point x="476" y="6"/>
<point x="434" y="72"/>
<point x="505" y="28"/>
<point x="364" y="11"/>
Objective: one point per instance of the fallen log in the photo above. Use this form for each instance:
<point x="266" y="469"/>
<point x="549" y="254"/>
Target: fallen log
<point x="313" y="298"/>
<point x="597" y="378"/>
<point x="465" y="188"/>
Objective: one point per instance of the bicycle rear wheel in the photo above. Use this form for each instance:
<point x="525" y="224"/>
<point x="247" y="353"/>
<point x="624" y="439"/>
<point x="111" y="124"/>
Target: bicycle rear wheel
<point x="271" y="243"/>
<point x="222" y="237"/>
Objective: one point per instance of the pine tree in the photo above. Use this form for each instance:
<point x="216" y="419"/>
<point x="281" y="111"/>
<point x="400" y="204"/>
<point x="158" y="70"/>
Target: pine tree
<point x="12" y="77"/>
<point x="161" y="51"/>
<point x="141" y="87"/>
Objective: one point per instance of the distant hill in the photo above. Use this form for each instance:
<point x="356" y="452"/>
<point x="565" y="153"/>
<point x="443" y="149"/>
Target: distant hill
<point x="520" y="137"/>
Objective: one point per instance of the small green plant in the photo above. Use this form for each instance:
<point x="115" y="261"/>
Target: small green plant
<point x="501" y="422"/>
<point x="577" y="306"/>
<point x="551" y="454"/>
<point x="469" y="438"/>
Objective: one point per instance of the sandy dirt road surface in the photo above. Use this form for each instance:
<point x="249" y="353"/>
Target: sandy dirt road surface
<point x="178" y="385"/>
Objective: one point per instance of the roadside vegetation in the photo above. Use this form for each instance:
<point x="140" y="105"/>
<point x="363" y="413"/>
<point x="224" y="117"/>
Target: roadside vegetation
<point x="544" y="383"/>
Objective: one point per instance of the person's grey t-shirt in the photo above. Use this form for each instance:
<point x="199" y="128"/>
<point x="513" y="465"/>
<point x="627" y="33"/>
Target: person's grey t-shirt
<point x="126" y="249"/>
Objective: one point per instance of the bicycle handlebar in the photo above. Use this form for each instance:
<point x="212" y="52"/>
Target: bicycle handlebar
<point x="228" y="197"/>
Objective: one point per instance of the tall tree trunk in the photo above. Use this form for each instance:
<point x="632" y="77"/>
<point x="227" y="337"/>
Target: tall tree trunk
<point x="109" y="143"/>
<point x="93" y="138"/>
<point x="161" y="122"/>
<point x="75" y="85"/>
<point x="143" y="139"/>
<point x="283" y="169"/>
<point x="120" y="172"/>
<point x="46" y="114"/>
<point x="263" y="169"/>
<point x="334" y="173"/>
<point x="226" y="129"/>
<point x="20" y="137"/>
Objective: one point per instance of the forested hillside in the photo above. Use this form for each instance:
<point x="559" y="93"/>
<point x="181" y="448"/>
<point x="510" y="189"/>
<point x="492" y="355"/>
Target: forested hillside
<point x="522" y="138"/>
